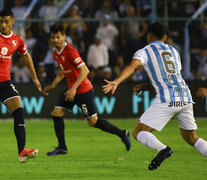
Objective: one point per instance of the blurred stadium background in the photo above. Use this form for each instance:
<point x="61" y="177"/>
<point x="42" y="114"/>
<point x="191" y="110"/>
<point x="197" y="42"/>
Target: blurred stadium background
<point x="121" y="26"/>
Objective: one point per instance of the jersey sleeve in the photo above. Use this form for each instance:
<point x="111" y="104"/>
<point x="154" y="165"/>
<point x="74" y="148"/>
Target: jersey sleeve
<point x="22" y="49"/>
<point x="141" y="55"/>
<point x="76" y="59"/>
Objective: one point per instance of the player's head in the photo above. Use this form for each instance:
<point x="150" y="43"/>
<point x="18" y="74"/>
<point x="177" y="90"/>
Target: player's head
<point x="156" y="31"/>
<point x="6" y="21"/>
<point x="57" y="35"/>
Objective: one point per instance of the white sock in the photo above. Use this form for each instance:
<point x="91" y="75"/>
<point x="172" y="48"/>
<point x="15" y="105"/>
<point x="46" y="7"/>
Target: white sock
<point x="149" y="140"/>
<point x="201" y="146"/>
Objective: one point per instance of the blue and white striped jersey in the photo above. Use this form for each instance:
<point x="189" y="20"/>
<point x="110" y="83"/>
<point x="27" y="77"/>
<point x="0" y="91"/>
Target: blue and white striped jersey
<point x="162" y="64"/>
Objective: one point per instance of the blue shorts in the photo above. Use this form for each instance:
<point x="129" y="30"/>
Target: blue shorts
<point x="7" y="91"/>
<point x="84" y="101"/>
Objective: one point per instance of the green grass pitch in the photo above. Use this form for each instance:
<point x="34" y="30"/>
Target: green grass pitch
<point x="96" y="155"/>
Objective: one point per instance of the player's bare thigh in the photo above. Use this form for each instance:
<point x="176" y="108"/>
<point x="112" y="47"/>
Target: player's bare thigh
<point x="58" y="112"/>
<point x="141" y="127"/>
<point x="13" y="103"/>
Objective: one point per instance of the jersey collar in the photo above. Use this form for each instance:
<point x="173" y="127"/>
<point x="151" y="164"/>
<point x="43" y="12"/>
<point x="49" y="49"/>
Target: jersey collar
<point x="6" y="36"/>
<point x="59" y="52"/>
<point x="157" y="42"/>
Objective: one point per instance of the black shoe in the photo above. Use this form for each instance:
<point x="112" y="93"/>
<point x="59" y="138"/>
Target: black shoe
<point x="57" y="151"/>
<point x="126" y="140"/>
<point x="162" y="155"/>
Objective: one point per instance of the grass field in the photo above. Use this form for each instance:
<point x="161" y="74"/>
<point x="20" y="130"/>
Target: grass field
<point x="96" y="155"/>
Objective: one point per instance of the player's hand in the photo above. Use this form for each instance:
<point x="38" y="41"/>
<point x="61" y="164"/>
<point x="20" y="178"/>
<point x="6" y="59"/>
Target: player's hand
<point x="138" y="89"/>
<point x="47" y="89"/>
<point x="70" y="94"/>
<point x="202" y="92"/>
<point x="38" y="85"/>
<point x="141" y="87"/>
<point x="110" y="86"/>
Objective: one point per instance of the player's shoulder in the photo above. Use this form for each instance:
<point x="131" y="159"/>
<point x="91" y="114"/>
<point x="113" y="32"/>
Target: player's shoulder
<point x="70" y="47"/>
<point x="14" y="35"/>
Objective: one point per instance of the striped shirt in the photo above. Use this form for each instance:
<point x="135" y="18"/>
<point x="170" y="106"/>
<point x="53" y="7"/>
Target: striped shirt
<point x="162" y="64"/>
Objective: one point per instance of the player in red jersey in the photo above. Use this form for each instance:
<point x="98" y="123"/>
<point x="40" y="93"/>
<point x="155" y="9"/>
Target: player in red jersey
<point x="80" y="91"/>
<point x="9" y="43"/>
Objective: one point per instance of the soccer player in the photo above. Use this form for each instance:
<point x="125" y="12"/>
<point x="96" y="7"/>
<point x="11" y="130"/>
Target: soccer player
<point x="202" y="92"/>
<point x="9" y="43"/>
<point x="173" y="98"/>
<point x="80" y="91"/>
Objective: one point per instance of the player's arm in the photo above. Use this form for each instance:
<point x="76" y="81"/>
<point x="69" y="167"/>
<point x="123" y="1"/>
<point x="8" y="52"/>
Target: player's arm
<point x="56" y="81"/>
<point x="30" y="66"/>
<point x="202" y="92"/>
<point x="128" y="70"/>
<point x="70" y="93"/>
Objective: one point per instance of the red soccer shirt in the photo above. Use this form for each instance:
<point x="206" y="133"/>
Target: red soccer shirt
<point x="8" y="45"/>
<point x="69" y="62"/>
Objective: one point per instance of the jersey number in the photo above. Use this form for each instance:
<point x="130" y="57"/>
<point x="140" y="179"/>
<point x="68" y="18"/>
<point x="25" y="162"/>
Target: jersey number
<point x="169" y="64"/>
<point x="84" y="109"/>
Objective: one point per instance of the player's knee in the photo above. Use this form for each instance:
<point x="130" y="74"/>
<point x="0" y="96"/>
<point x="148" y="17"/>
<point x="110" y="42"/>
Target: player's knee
<point x="57" y="113"/>
<point x="135" y="133"/>
<point x="92" y="120"/>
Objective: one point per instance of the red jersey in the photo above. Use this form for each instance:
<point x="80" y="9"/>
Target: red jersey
<point x="8" y="45"/>
<point x="69" y="62"/>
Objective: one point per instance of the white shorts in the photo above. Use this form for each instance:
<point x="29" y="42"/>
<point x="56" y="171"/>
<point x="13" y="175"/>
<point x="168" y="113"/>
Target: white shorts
<point x="158" y="115"/>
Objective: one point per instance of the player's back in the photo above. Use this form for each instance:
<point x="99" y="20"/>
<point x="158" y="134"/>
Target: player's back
<point x="162" y="64"/>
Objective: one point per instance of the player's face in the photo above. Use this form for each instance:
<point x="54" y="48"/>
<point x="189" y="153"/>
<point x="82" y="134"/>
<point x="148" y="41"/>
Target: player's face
<point x="58" y="40"/>
<point x="6" y="24"/>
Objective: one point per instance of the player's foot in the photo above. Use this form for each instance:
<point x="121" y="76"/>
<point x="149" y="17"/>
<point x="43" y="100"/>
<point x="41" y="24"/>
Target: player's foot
<point x="162" y="155"/>
<point x="26" y="154"/>
<point x="57" y="151"/>
<point x="126" y="140"/>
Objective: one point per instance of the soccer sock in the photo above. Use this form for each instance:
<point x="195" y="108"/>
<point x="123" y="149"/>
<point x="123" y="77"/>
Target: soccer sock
<point x="149" y="140"/>
<point x="60" y="131"/>
<point x="108" y="127"/>
<point x="19" y="128"/>
<point x="201" y="146"/>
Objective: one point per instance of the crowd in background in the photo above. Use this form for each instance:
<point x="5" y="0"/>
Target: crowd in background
<point x="106" y="45"/>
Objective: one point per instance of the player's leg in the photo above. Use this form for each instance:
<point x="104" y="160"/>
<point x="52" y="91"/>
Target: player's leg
<point x="106" y="126"/>
<point x="191" y="138"/>
<point x="57" y="114"/>
<point x="155" y="118"/>
<point x="86" y="103"/>
<point x="188" y="126"/>
<point x="10" y="97"/>
<point x="142" y="133"/>
<point x="59" y="126"/>
<point x="14" y="105"/>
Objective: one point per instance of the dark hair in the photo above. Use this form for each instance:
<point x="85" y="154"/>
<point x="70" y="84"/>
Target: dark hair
<point x="6" y="12"/>
<point x="157" y="30"/>
<point x="55" y="28"/>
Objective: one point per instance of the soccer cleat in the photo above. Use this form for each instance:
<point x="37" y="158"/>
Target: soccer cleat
<point x="57" y="151"/>
<point x="126" y="140"/>
<point x="26" y="154"/>
<point x="162" y="155"/>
